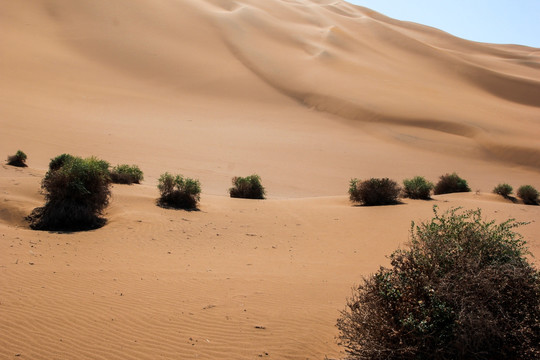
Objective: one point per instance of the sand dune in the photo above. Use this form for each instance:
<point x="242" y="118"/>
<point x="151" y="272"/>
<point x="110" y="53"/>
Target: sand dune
<point x="278" y="72"/>
<point x="306" y="93"/>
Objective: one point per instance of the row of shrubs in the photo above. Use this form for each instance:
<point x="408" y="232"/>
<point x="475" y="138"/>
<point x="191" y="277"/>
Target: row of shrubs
<point x="527" y="193"/>
<point x="386" y="192"/>
<point x="77" y="191"/>
<point x="184" y="193"/>
<point x="120" y="174"/>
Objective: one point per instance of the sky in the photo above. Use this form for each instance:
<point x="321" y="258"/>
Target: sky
<point x="493" y="21"/>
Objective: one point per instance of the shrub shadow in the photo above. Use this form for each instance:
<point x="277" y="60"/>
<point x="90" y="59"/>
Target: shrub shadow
<point x="170" y="207"/>
<point x="40" y="220"/>
<point x="511" y="198"/>
<point x="397" y="203"/>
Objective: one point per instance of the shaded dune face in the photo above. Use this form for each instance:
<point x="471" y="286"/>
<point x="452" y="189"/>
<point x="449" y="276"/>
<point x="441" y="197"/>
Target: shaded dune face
<point x="69" y="63"/>
<point x="360" y="65"/>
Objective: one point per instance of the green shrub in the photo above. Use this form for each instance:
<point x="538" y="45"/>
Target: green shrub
<point x="374" y="191"/>
<point x="462" y="290"/>
<point x="503" y="189"/>
<point x="528" y="194"/>
<point x="19" y="159"/>
<point x="417" y="188"/>
<point x="178" y="192"/>
<point x="57" y="162"/>
<point x="451" y="183"/>
<point x="249" y="187"/>
<point x="126" y="174"/>
<point x="76" y="193"/>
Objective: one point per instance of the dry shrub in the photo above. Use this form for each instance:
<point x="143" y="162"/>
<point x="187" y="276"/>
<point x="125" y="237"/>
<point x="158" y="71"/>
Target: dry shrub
<point x="374" y="191"/>
<point x="248" y="187"/>
<point x="19" y="159"/>
<point x="503" y="189"/>
<point x="76" y="193"/>
<point x="451" y="183"/>
<point x="462" y="290"/>
<point x="528" y="194"/>
<point x="417" y="188"/>
<point x="126" y="174"/>
<point x="178" y="192"/>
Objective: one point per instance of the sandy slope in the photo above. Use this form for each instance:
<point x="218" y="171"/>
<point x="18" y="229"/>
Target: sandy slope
<point x="236" y="280"/>
<point x="306" y="93"/>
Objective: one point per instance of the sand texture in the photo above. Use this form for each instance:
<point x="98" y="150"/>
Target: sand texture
<point x="306" y="93"/>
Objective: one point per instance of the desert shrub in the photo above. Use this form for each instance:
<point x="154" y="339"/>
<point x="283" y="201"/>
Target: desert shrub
<point x="503" y="189"/>
<point x="248" y="187"/>
<point x="451" y="183"/>
<point x="76" y="193"/>
<point x="19" y="159"/>
<point x="57" y="162"/>
<point x="126" y="174"/>
<point x="528" y="194"/>
<point x="462" y="290"/>
<point x="178" y="192"/>
<point x="417" y="188"/>
<point x="374" y="191"/>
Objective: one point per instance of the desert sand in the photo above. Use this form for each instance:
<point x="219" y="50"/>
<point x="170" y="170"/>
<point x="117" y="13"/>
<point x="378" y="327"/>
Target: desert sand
<point x="306" y="93"/>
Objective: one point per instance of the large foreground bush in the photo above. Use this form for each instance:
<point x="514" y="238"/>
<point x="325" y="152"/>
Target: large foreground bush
<point x="374" y="191"/>
<point x="248" y="187"/>
<point x="76" y="193"/>
<point x="178" y="192"/>
<point x="417" y="188"/>
<point x="19" y="159"/>
<point x="462" y="290"/>
<point x="528" y="194"/>
<point x="126" y="174"/>
<point x="451" y="183"/>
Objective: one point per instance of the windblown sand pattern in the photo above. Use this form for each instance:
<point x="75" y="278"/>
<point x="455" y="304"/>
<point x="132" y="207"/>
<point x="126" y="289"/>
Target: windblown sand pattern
<point x="307" y="94"/>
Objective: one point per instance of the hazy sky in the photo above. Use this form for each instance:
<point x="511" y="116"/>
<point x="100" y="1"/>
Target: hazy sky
<point x="495" y="21"/>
